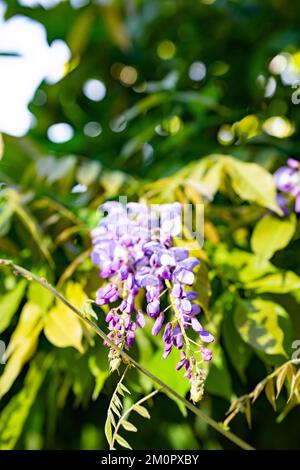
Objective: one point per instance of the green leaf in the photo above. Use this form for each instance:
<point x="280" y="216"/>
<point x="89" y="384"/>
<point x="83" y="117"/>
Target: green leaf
<point x="124" y="388"/>
<point x="257" y="391"/>
<point x="239" y="265"/>
<point x="62" y="327"/>
<point x="165" y="369"/>
<point x="270" y="393"/>
<point x="141" y="410"/>
<point x="128" y="426"/>
<point x="202" y="285"/>
<point x="252" y="183"/>
<point x="15" y="413"/>
<point x="39" y="295"/>
<point x="6" y="212"/>
<point x="218" y="381"/>
<point x="108" y="429"/>
<point x="238" y="351"/>
<point x="280" y="379"/>
<point x="272" y="234"/>
<point x="262" y="324"/>
<point x="248" y="413"/>
<point x="115" y="410"/>
<point x="79" y="32"/>
<point x="99" y="368"/>
<point x="120" y="440"/>
<point x="29" y="221"/>
<point x="294" y="385"/>
<point x="22" y="345"/>
<point x="281" y="282"/>
<point x="213" y="177"/>
<point x="9" y="304"/>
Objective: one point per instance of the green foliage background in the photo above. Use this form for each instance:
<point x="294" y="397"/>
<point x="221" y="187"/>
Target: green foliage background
<point x="161" y="141"/>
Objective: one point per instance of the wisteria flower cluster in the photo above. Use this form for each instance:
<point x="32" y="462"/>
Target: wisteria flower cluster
<point x="287" y="180"/>
<point x="134" y="248"/>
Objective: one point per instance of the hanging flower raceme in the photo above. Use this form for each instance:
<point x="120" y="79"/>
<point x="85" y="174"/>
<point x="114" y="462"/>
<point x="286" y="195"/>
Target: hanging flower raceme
<point x="133" y="247"/>
<point x="287" y="180"/>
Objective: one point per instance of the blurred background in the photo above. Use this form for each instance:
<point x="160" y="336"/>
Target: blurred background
<point x="205" y="76"/>
<point x="99" y="98"/>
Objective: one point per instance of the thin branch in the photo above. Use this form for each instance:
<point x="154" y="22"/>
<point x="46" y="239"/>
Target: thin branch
<point x="127" y="412"/>
<point x="127" y="358"/>
<point x="111" y="406"/>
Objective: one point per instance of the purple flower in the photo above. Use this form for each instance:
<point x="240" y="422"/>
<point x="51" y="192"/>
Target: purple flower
<point x="135" y="256"/>
<point x="206" y="353"/>
<point x="196" y="325"/>
<point x="153" y="308"/>
<point x="287" y="180"/>
<point x="158" y="324"/>
<point x="206" y="337"/>
<point x="184" y="276"/>
<point x="140" y="319"/>
<point x="107" y="294"/>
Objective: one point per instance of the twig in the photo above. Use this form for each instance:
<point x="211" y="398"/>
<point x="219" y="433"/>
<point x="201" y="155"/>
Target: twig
<point x="127" y="412"/>
<point x="211" y="422"/>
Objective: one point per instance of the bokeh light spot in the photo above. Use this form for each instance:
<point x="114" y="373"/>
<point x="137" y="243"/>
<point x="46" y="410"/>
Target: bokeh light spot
<point x="60" y="132"/>
<point x="197" y="71"/>
<point x="278" y="126"/>
<point x="225" y="135"/>
<point x="94" y="89"/>
<point x="166" y="50"/>
<point x="128" y="75"/>
<point x="92" y="129"/>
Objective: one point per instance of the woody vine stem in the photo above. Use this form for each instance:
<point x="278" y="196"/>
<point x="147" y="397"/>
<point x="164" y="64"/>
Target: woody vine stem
<point x="19" y="270"/>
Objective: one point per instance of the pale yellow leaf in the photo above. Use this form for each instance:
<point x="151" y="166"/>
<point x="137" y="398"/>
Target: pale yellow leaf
<point x="270" y="393"/>
<point x="63" y="328"/>
<point x="22" y="345"/>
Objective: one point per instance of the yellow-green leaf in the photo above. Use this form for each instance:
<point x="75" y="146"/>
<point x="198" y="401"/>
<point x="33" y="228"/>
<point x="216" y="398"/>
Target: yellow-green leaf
<point x="248" y="413"/>
<point x="120" y="440"/>
<point x="294" y="385"/>
<point x="281" y="282"/>
<point x="22" y="345"/>
<point x="280" y="380"/>
<point x="62" y="327"/>
<point x="29" y="221"/>
<point x="202" y="285"/>
<point x="272" y="234"/>
<point x="259" y="323"/>
<point x="99" y="369"/>
<point x="257" y="391"/>
<point x="141" y="410"/>
<point x="9" y="304"/>
<point x="252" y="183"/>
<point x="270" y="393"/>
<point x="108" y="429"/>
<point x="128" y="426"/>
<point x="14" y="414"/>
